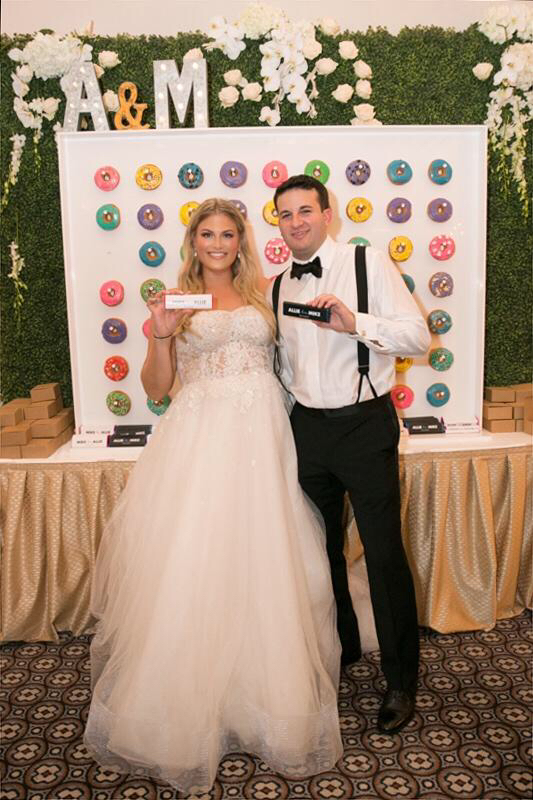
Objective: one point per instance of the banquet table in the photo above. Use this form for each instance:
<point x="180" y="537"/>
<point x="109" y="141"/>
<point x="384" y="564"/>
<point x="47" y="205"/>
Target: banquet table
<point x="466" y="512"/>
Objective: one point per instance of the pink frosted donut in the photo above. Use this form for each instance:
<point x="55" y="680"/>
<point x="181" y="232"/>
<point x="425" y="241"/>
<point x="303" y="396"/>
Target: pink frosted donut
<point x="276" y="251"/>
<point x="112" y="293"/>
<point x="442" y="247"/>
<point x="274" y="173"/>
<point x="147" y="327"/>
<point x="402" y="396"/>
<point x="106" y="178"/>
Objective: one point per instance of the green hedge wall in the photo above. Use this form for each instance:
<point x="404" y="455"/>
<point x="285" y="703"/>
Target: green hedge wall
<point x="422" y="76"/>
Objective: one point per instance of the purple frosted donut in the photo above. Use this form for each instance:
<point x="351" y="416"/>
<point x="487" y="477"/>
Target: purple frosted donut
<point x="239" y="205"/>
<point x="150" y="216"/>
<point x="440" y="209"/>
<point x="114" y="330"/>
<point x="399" y="209"/>
<point x="358" y="172"/>
<point x="441" y="284"/>
<point x="233" y="173"/>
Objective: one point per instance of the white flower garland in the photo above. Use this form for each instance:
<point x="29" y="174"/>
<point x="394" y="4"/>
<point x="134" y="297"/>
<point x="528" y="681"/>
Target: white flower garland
<point x="19" y="140"/>
<point x="17" y="264"/>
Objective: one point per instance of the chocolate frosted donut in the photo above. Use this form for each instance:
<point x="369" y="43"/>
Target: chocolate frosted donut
<point x="112" y="293"/>
<point x="158" y="406"/>
<point x="152" y="254"/>
<point x="441" y="359"/>
<point x="402" y="396"/>
<point x="190" y="175"/>
<point x="409" y="282"/>
<point x="240" y="206"/>
<point x="399" y="209"/>
<point x="399" y="171"/>
<point x="439" y="321"/>
<point x="440" y="209"/>
<point x="150" y="288"/>
<point x="318" y="170"/>
<point x="440" y="171"/>
<point x="118" y="403"/>
<point x="441" y="284"/>
<point x="114" y="330"/>
<point x="108" y="217"/>
<point x="116" y="368"/>
<point x="233" y="174"/>
<point x="150" y="216"/>
<point x="106" y="178"/>
<point x="274" y="174"/>
<point x="437" y="394"/>
<point x="442" y="247"/>
<point x="358" y="172"/>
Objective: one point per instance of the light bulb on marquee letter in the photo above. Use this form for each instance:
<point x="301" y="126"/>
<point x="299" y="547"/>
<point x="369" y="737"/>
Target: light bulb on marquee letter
<point x="82" y="76"/>
<point x="193" y="80"/>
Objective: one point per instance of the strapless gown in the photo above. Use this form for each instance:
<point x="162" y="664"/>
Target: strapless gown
<point x="216" y="624"/>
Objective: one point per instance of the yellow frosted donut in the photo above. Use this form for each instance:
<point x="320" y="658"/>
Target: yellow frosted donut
<point x="270" y="214"/>
<point x="359" y="209"/>
<point x="187" y="210"/>
<point x="403" y="364"/>
<point x="400" y="248"/>
<point x="148" y="176"/>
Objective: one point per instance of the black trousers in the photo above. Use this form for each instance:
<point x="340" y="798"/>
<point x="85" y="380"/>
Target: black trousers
<point x="356" y="450"/>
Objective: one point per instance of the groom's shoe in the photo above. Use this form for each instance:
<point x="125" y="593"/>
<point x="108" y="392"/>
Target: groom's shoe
<point x="396" y="710"/>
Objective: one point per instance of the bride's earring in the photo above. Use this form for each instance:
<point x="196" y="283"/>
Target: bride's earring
<point x="195" y="254"/>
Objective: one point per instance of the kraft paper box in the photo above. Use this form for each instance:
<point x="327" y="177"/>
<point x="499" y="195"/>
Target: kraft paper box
<point x="10" y="452"/>
<point x="45" y="391"/>
<point x="497" y="411"/>
<point x="48" y="428"/>
<point x="522" y="390"/>
<point x="20" y="401"/>
<point x="42" y="448"/>
<point x="499" y="425"/>
<point x="528" y="426"/>
<point x="10" y="415"/>
<point x="16" y="434"/>
<point x="500" y="394"/>
<point x="44" y="409"/>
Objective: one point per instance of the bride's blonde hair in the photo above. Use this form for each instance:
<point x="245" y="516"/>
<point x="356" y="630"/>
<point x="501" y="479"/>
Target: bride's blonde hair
<point x="245" y="269"/>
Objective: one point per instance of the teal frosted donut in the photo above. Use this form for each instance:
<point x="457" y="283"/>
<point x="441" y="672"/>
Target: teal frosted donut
<point x="152" y="254"/>
<point x="440" y="171"/>
<point x="438" y="394"/>
<point x="439" y="321"/>
<point x="158" y="406"/>
<point x="359" y="240"/>
<point x="409" y="282"/>
<point x="399" y="171"/>
<point x="441" y="359"/>
<point x="190" y="176"/>
<point x="118" y="403"/>
<point x="150" y="288"/>
<point x="108" y="217"/>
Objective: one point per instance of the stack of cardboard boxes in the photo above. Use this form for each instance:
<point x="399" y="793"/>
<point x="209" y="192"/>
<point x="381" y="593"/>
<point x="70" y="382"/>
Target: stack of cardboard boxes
<point x="35" y="426"/>
<point x="508" y="408"/>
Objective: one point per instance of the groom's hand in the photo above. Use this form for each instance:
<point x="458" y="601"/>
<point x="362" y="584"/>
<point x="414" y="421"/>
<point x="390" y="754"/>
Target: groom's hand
<point x="342" y="319"/>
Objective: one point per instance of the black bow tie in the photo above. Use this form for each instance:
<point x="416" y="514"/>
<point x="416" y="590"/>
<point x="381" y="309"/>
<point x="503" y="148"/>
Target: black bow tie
<point x="313" y="266"/>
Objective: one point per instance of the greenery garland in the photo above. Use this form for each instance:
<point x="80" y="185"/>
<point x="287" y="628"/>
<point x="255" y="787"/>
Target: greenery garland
<point x="421" y="76"/>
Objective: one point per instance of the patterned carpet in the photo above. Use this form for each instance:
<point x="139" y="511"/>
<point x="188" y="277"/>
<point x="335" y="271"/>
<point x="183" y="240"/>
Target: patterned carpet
<point x="470" y="737"/>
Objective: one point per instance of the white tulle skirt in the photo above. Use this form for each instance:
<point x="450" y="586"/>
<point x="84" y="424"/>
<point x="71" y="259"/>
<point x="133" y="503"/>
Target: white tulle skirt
<point x="216" y="627"/>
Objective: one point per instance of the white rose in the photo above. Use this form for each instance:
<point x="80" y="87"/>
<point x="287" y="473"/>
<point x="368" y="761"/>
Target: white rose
<point x="110" y="99"/>
<point x="325" y="66"/>
<point x="15" y="54"/>
<point x="311" y="49"/>
<point x="362" y="69"/>
<point x="343" y="92"/>
<point x="367" y="123"/>
<point x="108" y="59"/>
<point x="25" y="73"/>
<point x="50" y="106"/>
<point x="348" y="49"/>
<point x="233" y="77"/>
<point x="329" y="26"/>
<point x="364" y="111"/>
<point x="363" y="89"/>
<point x="482" y="70"/>
<point x="252" y="91"/>
<point x="269" y="115"/>
<point x="98" y="71"/>
<point x="20" y="88"/>
<point x="50" y="56"/>
<point x="228" y="96"/>
<point x="193" y="55"/>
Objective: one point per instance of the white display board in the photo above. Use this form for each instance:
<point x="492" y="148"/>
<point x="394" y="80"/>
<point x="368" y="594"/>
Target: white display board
<point x="94" y="256"/>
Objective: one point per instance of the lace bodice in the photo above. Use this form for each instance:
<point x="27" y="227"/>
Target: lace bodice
<point x="224" y="344"/>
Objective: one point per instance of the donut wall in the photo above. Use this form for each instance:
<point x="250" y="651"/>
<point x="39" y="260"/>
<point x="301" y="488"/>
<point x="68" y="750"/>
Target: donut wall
<point x="418" y="193"/>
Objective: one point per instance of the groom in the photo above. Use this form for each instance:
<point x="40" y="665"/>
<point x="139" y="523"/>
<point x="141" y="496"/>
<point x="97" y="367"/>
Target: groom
<point x="344" y="423"/>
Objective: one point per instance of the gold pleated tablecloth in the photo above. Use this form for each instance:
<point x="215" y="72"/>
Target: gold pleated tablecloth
<point x="467" y="525"/>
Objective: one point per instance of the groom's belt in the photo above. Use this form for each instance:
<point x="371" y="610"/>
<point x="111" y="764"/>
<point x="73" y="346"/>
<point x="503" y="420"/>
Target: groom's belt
<point x="348" y="411"/>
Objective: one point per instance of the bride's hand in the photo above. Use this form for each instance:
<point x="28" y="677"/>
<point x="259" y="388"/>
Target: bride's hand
<point x="165" y="320"/>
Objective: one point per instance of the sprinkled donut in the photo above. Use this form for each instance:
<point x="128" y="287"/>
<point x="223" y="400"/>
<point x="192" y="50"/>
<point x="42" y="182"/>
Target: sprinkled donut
<point x="274" y="174"/>
<point x="152" y="254"/>
<point x="439" y="321"/>
<point x="186" y="212"/>
<point x="239" y="205"/>
<point x="118" y="403"/>
<point x="437" y="394"/>
<point x="399" y="209"/>
<point x="112" y="293"/>
<point x="233" y="174"/>
<point x="150" y="288"/>
<point x="148" y="177"/>
<point x="441" y="359"/>
<point x="409" y="282"/>
<point x="359" y="209"/>
<point x="190" y="175"/>
<point x="399" y="171"/>
<point x="403" y="364"/>
<point x="108" y="217"/>
<point x="402" y="396"/>
<point x="442" y="247"/>
<point x="276" y="251"/>
<point x="158" y="406"/>
<point x="441" y="284"/>
<point x="150" y="216"/>
<point x="116" y="368"/>
<point x="440" y="171"/>
<point x="114" y="330"/>
<point x="106" y="178"/>
<point x="270" y="214"/>
<point x="359" y="240"/>
<point x="400" y="248"/>
<point x="358" y="172"/>
<point x="440" y="209"/>
<point x="318" y="170"/>
<point x="147" y="327"/>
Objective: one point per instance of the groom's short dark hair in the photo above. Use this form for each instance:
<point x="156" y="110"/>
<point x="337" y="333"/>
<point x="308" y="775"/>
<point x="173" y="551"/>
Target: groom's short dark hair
<point x="304" y="182"/>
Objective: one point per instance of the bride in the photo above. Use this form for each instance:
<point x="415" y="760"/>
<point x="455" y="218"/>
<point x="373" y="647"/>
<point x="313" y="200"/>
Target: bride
<point x="216" y="624"/>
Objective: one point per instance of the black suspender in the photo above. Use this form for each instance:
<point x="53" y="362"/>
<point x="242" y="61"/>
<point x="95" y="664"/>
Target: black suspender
<point x="275" y="303"/>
